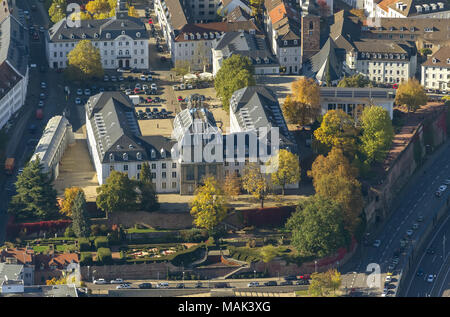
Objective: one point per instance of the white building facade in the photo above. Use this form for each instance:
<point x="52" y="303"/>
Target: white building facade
<point x="436" y="71"/>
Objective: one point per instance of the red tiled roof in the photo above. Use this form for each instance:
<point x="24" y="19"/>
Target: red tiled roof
<point x="22" y="255"/>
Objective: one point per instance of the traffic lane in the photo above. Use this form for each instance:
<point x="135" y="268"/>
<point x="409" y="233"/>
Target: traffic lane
<point x="431" y="264"/>
<point x="443" y="281"/>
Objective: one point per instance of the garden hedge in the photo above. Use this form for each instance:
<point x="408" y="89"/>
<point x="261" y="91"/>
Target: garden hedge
<point x="104" y="255"/>
<point x="101" y="242"/>
<point x="86" y="258"/>
<point x="84" y="244"/>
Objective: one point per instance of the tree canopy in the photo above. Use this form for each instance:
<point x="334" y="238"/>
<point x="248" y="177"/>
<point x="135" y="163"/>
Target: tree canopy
<point x="335" y="179"/>
<point x="302" y="107"/>
<point x="36" y="197"/>
<point x="117" y="193"/>
<point x="377" y="133"/>
<point x="254" y="182"/>
<point x="411" y="95"/>
<point x="322" y="284"/>
<point x="209" y="206"/>
<point x="288" y="169"/>
<point x="84" y="62"/>
<point x="355" y="81"/>
<point x="80" y="216"/>
<point x="57" y="10"/>
<point x="338" y="129"/>
<point x="69" y="195"/>
<point x="236" y="73"/>
<point x="317" y="227"/>
<point x="232" y="185"/>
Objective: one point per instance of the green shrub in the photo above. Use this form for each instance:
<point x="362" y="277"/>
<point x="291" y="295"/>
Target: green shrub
<point x="193" y="235"/>
<point x="104" y="255"/>
<point x="68" y="233"/>
<point x="95" y="230"/>
<point x="86" y="258"/>
<point x="84" y="244"/>
<point x="101" y="242"/>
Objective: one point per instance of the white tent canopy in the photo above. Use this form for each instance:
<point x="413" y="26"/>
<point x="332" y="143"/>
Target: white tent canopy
<point x="189" y="76"/>
<point x="206" y="75"/>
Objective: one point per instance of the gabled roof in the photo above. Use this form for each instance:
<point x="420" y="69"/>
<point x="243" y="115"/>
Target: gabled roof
<point x="177" y="17"/>
<point x="328" y="59"/>
<point x="4" y="10"/>
<point x="8" y="78"/>
<point x="410" y="6"/>
<point x="14" y="44"/>
<point x="97" y="29"/>
<point x="439" y="59"/>
<point x="238" y="13"/>
<point x="257" y="107"/>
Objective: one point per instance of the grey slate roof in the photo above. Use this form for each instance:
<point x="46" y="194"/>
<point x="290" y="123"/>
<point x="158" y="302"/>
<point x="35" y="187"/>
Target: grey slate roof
<point x="257" y="107"/>
<point x="11" y="271"/>
<point x="96" y="30"/>
<point x="329" y="57"/>
<point x="246" y="44"/>
<point x="237" y="13"/>
<point x="116" y="129"/>
<point x="14" y="44"/>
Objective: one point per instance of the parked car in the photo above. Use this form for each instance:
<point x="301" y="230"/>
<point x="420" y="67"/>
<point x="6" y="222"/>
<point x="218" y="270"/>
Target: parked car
<point x="149" y="78"/>
<point x="43" y="85"/>
<point x="162" y="285"/>
<point x="176" y="87"/>
<point x="106" y="78"/>
<point x="376" y="243"/>
<point x="113" y="78"/>
<point x="41" y="104"/>
<point x="419" y="273"/>
<point x="198" y="285"/>
<point x="123" y="286"/>
<point x="420" y="218"/>
<point x="153" y="86"/>
<point x="117" y="281"/>
<point x="285" y="283"/>
<point x="409" y="232"/>
<point x="189" y="86"/>
<point x="42" y="96"/>
<point x="144" y="87"/>
<point x="87" y="92"/>
<point x="77" y="101"/>
<point x="180" y="285"/>
<point x="253" y="284"/>
<point x="415" y="226"/>
<point x="100" y="281"/>
<point x="430" y="278"/>
<point x="79" y="92"/>
<point x="145" y="285"/>
<point x="128" y="91"/>
<point x="142" y="77"/>
<point x="180" y="99"/>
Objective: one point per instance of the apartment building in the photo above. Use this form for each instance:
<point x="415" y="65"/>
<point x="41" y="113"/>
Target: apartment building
<point x="412" y="9"/>
<point x="122" y="41"/>
<point x="436" y="71"/>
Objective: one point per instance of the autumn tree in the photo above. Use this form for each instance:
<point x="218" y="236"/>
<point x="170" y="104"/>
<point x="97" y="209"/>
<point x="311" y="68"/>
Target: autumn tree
<point x="101" y="9"/>
<point x="334" y="178"/>
<point x="57" y="10"/>
<point x="209" y="206"/>
<point x="411" y="95"/>
<point x="377" y="133"/>
<point x="254" y="182"/>
<point x="69" y="195"/>
<point x="235" y="73"/>
<point x="286" y="167"/>
<point x="117" y="193"/>
<point x="80" y="216"/>
<point x="355" y="81"/>
<point x="269" y="252"/>
<point x="132" y="12"/>
<point x="232" y="185"/>
<point x="317" y="227"/>
<point x="84" y="62"/>
<point x="257" y="8"/>
<point x="338" y="130"/>
<point x="322" y="284"/>
<point x="302" y="107"/>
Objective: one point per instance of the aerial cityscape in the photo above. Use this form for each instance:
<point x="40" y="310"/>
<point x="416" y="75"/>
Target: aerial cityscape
<point x="225" y="148"/>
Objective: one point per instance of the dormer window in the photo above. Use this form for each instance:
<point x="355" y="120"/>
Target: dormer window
<point x="96" y="35"/>
<point x="138" y="34"/>
<point x="285" y="42"/>
<point x="111" y="157"/>
<point x="295" y="42"/>
<point x="412" y="29"/>
<point x="123" y="33"/>
<point x="72" y="36"/>
<point x="266" y="60"/>
<point x="258" y="60"/>
<point x="139" y="155"/>
<point x="60" y="37"/>
<point x="186" y="37"/>
<point x="163" y="153"/>
<point x="192" y="36"/>
<point x="153" y="154"/>
<point x="205" y="36"/>
<point x="83" y="35"/>
<point x="125" y="156"/>
<point x="448" y="60"/>
<point x="199" y="36"/>
<point x="434" y="60"/>
<point x="108" y="35"/>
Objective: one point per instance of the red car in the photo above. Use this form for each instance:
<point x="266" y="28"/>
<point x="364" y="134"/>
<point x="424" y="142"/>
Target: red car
<point x="395" y="86"/>
<point x="180" y="98"/>
<point x="149" y="100"/>
<point x="150" y="21"/>
<point x="35" y="36"/>
<point x="136" y="90"/>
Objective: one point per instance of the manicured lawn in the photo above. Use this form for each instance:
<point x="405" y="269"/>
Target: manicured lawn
<point x="133" y="230"/>
<point x="302" y="293"/>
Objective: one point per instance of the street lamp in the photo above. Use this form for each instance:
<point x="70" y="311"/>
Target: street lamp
<point x="254" y="274"/>
<point x="183" y="279"/>
<point x="315" y="265"/>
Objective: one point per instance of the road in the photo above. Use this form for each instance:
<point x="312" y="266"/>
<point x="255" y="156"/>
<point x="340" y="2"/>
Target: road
<point x="416" y="199"/>
<point x="436" y="264"/>
<point x="21" y="145"/>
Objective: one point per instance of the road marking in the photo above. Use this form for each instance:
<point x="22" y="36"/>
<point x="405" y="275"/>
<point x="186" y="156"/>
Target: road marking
<point x="434" y="258"/>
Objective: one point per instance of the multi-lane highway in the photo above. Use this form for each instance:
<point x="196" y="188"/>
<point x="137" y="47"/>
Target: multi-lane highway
<point x="436" y="262"/>
<point x="417" y="200"/>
